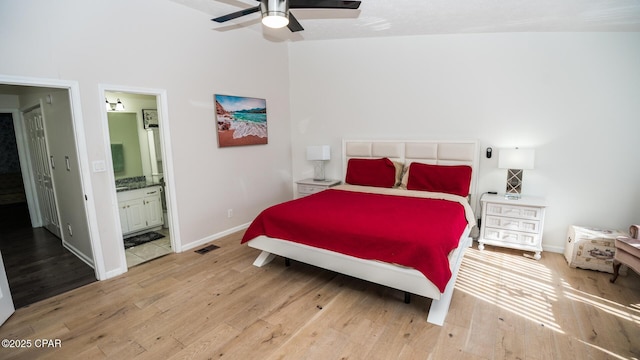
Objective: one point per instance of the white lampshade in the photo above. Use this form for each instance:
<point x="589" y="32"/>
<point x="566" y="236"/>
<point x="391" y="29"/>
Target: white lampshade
<point x="516" y="158"/>
<point x="320" y="152"/>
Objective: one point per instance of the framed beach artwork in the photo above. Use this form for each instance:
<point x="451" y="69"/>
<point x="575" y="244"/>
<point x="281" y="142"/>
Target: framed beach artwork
<point x="241" y="120"/>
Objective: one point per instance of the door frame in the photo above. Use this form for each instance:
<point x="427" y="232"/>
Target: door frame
<point x="7" y="307"/>
<point x="167" y="161"/>
<point x="81" y="147"/>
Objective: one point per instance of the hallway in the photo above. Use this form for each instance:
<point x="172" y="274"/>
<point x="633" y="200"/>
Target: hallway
<point x="37" y="265"/>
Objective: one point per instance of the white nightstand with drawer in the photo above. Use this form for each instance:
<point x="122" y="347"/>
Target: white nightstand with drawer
<point x="310" y="186"/>
<point x="515" y="224"/>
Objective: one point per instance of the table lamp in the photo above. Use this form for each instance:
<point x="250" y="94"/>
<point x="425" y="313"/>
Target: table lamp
<point x="515" y="161"/>
<point x="319" y="154"/>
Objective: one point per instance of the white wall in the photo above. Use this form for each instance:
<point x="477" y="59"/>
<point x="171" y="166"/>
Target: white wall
<point x="163" y="45"/>
<point x="571" y="96"/>
<point x="9" y="101"/>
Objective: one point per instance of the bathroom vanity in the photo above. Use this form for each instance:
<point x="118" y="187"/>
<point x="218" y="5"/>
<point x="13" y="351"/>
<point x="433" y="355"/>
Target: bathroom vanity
<point x="140" y="209"/>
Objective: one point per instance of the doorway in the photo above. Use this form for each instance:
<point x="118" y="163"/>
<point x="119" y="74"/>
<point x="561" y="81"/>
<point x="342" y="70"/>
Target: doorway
<point x="135" y="136"/>
<point x="37" y="264"/>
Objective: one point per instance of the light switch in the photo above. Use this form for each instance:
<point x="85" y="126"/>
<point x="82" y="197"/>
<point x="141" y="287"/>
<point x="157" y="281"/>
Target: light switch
<point x="99" y="166"/>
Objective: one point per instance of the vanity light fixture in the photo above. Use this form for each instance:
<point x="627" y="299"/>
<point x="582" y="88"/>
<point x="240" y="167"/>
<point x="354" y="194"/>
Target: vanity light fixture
<point x="319" y="154"/>
<point x="119" y="106"/>
<point x="116" y="106"/>
<point x="515" y="161"/>
<point x="275" y="13"/>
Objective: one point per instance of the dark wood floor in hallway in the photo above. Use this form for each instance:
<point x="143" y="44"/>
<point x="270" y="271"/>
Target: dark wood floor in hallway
<point x="37" y="265"/>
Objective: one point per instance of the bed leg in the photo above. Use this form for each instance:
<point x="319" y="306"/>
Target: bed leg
<point x="439" y="308"/>
<point x="407" y="297"/>
<point x="263" y="259"/>
<point x="287" y="262"/>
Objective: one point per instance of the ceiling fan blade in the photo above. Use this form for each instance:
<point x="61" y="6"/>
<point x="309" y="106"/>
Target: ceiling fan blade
<point x="323" y="4"/>
<point x="236" y="14"/>
<point x="294" y="25"/>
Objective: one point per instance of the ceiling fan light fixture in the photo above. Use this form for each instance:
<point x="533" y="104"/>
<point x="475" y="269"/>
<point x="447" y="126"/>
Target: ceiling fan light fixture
<point x="275" y="13"/>
<point x="275" y="21"/>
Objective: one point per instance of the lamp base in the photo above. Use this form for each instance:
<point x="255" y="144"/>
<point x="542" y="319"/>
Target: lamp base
<point x="514" y="184"/>
<point x="512" y="196"/>
<point x="318" y="171"/>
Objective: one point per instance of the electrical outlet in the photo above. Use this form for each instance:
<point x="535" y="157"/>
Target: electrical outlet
<point x="230" y="213"/>
<point x="70" y="229"/>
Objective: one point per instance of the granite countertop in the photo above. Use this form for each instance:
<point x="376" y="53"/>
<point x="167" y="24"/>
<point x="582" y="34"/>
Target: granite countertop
<point x="135" y="186"/>
<point x="134" y="183"/>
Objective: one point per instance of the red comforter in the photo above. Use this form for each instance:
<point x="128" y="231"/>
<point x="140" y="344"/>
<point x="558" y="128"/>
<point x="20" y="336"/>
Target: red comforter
<point x="414" y="232"/>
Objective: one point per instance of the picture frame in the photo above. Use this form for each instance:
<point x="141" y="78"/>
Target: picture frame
<point x="150" y="118"/>
<point x="241" y="120"/>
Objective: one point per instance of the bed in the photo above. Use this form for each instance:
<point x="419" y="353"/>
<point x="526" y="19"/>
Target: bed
<point x="402" y="219"/>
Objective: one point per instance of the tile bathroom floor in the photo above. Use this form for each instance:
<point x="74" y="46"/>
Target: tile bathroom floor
<point x="142" y="253"/>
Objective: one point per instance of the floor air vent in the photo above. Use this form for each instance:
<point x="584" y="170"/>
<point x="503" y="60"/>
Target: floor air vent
<point x="206" y="249"/>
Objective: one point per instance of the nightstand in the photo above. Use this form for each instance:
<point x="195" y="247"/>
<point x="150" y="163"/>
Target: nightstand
<point x="515" y="224"/>
<point x="310" y="186"/>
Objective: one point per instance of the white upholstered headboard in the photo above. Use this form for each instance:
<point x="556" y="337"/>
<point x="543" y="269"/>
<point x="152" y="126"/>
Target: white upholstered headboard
<point x="437" y="152"/>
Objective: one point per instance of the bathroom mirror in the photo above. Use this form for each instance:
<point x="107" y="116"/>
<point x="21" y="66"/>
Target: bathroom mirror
<point x="125" y="144"/>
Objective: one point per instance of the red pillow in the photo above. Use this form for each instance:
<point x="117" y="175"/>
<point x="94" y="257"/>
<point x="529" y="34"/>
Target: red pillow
<point x="371" y="172"/>
<point x="450" y="179"/>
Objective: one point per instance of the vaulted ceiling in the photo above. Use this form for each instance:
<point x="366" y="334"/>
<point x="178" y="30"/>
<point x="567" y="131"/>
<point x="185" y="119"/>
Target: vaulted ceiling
<point x="379" y="18"/>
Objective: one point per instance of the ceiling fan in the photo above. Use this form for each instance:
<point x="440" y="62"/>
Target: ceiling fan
<point x="276" y="14"/>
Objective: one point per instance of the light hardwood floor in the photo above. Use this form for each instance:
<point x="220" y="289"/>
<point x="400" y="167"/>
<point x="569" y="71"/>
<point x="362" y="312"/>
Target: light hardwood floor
<point x="217" y="305"/>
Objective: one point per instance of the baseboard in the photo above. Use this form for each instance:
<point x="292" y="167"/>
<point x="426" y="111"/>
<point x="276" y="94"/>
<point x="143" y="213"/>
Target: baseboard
<point x="198" y="243"/>
<point x="554" y="249"/>
<point x="78" y="254"/>
<point x="113" y="273"/>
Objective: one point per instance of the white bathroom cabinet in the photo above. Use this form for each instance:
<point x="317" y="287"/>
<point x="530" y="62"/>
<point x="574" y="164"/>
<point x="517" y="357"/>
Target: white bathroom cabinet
<point x="140" y="210"/>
